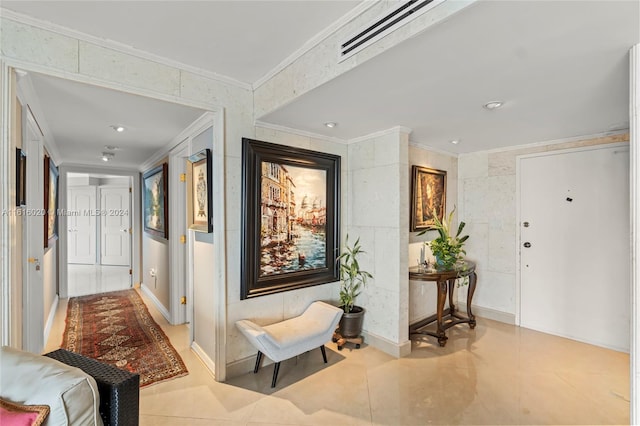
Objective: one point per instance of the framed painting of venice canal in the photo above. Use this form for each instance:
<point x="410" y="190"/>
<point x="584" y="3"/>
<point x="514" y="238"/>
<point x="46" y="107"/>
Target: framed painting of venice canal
<point x="290" y="229"/>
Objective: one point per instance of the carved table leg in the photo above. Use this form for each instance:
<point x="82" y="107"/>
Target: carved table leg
<point x="442" y="296"/>
<point x="452" y="306"/>
<point x="472" y="288"/>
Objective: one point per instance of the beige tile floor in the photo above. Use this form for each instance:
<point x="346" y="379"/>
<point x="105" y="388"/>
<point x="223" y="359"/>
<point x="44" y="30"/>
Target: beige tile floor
<point x="91" y="279"/>
<point x="495" y="374"/>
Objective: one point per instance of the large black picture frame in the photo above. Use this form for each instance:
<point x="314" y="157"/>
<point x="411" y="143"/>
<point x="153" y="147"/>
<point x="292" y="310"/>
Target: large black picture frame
<point x="279" y="220"/>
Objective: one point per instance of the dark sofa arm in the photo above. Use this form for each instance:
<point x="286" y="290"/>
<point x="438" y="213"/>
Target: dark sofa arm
<point x="119" y="389"/>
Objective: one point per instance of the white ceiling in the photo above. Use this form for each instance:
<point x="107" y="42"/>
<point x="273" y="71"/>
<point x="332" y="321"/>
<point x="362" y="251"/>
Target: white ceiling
<point x="80" y="117"/>
<point x="243" y="40"/>
<point x="560" y="66"/>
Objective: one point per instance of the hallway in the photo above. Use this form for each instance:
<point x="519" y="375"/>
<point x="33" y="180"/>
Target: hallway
<point x="497" y="374"/>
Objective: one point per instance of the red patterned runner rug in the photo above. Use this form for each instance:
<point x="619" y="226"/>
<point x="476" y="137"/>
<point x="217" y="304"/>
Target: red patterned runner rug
<point x="116" y="328"/>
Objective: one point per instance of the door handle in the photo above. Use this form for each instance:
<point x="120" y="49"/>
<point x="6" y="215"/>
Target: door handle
<point x="527" y="244"/>
<point x="35" y="261"/>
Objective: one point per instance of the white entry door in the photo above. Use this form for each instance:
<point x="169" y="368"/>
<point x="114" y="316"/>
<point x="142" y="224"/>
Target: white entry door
<point x="81" y="224"/>
<point x="574" y="245"/>
<point x="115" y="226"/>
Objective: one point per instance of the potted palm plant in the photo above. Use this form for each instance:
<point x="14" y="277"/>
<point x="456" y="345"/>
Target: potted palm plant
<point x="353" y="280"/>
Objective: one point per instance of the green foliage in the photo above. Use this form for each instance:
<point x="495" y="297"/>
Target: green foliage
<point x="353" y="278"/>
<point x="447" y="249"/>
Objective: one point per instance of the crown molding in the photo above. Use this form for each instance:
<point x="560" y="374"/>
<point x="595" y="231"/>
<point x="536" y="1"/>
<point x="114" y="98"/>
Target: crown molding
<point x="396" y="129"/>
<point x="119" y="47"/>
<point x="206" y="119"/>
<point x="431" y="149"/>
<point x="93" y="169"/>
<point x="299" y="132"/>
<point x="315" y="40"/>
<point x="554" y="142"/>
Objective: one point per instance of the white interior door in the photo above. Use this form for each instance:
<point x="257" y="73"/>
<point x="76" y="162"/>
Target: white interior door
<point x="33" y="230"/>
<point x="115" y="236"/>
<point x="574" y="245"/>
<point x="81" y="226"/>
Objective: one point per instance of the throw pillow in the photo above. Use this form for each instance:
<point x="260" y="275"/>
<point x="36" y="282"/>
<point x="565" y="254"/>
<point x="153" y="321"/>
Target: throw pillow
<point x="12" y="414"/>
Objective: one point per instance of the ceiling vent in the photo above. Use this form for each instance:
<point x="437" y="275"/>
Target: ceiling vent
<point x="385" y="24"/>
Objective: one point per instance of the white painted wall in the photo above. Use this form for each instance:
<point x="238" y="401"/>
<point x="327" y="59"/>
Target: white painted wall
<point x="203" y="271"/>
<point x="378" y="205"/>
<point x="423" y="295"/>
<point x="155" y="255"/>
<point x="487" y="203"/>
<point x="50" y="282"/>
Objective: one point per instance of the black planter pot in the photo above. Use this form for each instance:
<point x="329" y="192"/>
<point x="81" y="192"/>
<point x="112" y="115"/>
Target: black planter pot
<point x="351" y="323"/>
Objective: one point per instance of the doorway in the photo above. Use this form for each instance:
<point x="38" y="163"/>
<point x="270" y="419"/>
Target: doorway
<point x="99" y="231"/>
<point x="574" y="244"/>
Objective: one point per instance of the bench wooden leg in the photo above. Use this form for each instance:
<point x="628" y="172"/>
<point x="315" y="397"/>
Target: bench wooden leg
<point x="324" y="354"/>
<point x="258" y="360"/>
<point x="276" y="368"/>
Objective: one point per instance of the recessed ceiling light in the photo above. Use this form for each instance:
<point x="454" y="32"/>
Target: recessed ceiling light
<point x="455" y="141"/>
<point x="331" y="124"/>
<point x="106" y="156"/>
<point x="117" y="128"/>
<point x="493" y="105"/>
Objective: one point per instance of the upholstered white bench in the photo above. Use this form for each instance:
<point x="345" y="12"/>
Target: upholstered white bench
<point x="292" y="337"/>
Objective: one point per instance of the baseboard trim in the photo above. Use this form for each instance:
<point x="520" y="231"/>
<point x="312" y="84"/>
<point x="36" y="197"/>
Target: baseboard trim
<point x="489" y="313"/>
<point x="147" y="292"/>
<point x="387" y="346"/>
<point x="50" y="318"/>
<point x="204" y="358"/>
<point x="244" y="366"/>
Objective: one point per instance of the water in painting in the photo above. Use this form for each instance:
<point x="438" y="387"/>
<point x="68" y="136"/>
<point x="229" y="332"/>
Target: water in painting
<point x="293" y="219"/>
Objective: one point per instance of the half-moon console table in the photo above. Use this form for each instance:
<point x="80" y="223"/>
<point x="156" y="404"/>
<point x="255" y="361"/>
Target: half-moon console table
<point x="449" y="317"/>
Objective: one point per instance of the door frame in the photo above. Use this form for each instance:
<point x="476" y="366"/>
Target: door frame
<point x="215" y="111"/>
<point x="216" y="121"/>
<point x="634" y="175"/>
<point x="180" y="280"/>
<point x="518" y="244"/>
<point x="33" y="321"/>
<point x="136" y="240"/>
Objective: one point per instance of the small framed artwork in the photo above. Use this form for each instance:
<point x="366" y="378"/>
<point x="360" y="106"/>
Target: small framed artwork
<point x="21" y="178"/>
<point x="155" y="201"/>
<point x="50" y="202"/>
<point x="199" y="208"/>
<point x="290" y="228"/>
<point x="428" y="197"/>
